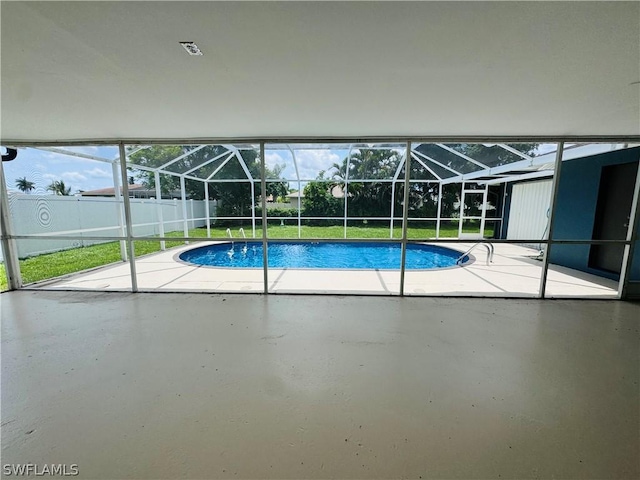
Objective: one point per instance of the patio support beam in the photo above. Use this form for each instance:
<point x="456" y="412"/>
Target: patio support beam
<point x="253" y="209"/>
<point x="514" y="151"/>
<point x="207" y="162"/>
<point x="552" y="219"/>
<point x="483" y="218"/>
<point x="515" y="178"/>
<point x="346" y="190"/>
<point x="219" y="167"/>
<point x="183" y="197"/>
<point x="119" y="209"/>
<point x="62" y="151"/>
<point x="127" y="218"/>
<point x="426" y="157"/>
<point x="165" y="172"/>
<point x="181" y="157"/>
<point x="156" y="177"/>
<point x="295" y="164"/>
<point x="131" y="152"/>
<point x="570" y="153"/>
<point x="405" y="216"/>
<point x="439" y="214"/>
<point x="207" y="213"/>
<point x="9" y="246"/>
<point x="632" y="237"/>
<point x="462" y="155"/>
<point x="393" y="192"/>
<point x="426" y="166"/>
<point x="263" y="198"/>
<point x="460" y="221"/>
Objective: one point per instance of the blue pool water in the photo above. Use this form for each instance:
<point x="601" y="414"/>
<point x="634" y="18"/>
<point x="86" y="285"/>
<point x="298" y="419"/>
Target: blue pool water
<point x="329" y="255"/>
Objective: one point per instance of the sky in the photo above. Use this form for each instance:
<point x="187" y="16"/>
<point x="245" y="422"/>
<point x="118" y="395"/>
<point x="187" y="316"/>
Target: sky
<point x="43" y="167"/>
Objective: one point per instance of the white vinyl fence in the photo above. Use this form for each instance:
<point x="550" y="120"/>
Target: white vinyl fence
<point x="94" y="217"/>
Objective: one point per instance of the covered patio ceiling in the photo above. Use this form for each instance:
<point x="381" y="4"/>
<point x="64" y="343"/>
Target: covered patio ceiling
<point x="86" y="71"/>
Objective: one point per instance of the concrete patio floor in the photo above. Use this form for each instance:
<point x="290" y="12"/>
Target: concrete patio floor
<point x="513" y="273"/>
<point x="172" y="386"/>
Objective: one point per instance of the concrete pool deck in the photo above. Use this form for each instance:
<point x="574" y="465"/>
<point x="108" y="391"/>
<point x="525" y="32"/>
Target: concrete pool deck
<point x="513" y="273"/>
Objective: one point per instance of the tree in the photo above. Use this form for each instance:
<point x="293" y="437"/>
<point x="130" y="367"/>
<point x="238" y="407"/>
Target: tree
<point x="59" y="188"/>
<point x="368" y="199"/>
<point x="25" y="185"/>
<point x="234" y="197"/>
<point x="319" y="202"/>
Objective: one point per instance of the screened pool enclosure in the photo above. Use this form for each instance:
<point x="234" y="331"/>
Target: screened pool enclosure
<point x="506" y="206"/>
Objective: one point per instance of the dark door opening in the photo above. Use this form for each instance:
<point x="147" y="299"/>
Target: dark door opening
<point x="613" y="211"/>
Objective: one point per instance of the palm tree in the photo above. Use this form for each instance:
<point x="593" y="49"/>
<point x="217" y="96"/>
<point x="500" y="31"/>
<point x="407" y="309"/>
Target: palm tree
<point x="24" y="185"/>
<point x="58" y="188"/>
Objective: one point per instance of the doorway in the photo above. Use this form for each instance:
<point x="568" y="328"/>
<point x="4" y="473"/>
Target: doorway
<point x="613" y="211"/>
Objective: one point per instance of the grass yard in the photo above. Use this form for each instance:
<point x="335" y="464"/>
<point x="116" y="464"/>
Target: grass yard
<point x="447" y="230"/>
<point x="51" y="265"/>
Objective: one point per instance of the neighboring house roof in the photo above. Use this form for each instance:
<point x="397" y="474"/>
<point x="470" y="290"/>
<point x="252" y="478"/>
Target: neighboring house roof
<point x="336" y="191"/>
<point x="136" y="190"/>
<point x="110" y="191"/>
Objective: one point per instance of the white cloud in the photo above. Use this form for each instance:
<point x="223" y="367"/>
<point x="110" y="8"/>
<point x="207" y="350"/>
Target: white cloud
<point x="311" y="162"/>
<point x="98" y="173"/>
<point x="73" y="176"/>
<point x="272" y="159"/>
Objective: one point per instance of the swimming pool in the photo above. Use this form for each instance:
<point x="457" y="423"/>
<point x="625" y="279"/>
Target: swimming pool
<point x="326" y="255"/>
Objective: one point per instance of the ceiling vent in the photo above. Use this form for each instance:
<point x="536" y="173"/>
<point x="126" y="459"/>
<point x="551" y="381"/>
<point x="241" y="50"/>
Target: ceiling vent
<point x="191" y="48"/>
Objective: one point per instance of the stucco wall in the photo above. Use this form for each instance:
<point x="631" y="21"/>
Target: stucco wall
<point x="576" y="209"/>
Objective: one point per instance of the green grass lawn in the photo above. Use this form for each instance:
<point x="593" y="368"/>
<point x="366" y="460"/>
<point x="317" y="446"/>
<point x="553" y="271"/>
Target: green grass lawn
<point x="51" y="265"/>
<point x="447" y="230"/>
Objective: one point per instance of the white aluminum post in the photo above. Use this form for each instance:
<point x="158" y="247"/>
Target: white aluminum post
<point x="207" y="214"/>
<point x="253" y="207"/>
<point x="483" y="217"/>
<point x="632" y="237"/>
<point x="439" y="213"/>
<point x="552" y="217"/>
<point x="346" y="189"/>
<point x="393" y="193"/>
<point x="183" y="196"/>
<point x="295" y="164"/>
<point x="405" y="216"/>
<point x="263" y="198"/>
<point x="193" y="222"/>
<point x="299" y="210"/>
<point x="127" y="218"/>
<point x="156" y="176"/>
<point x="504" y="202"/>
<point x="9" y="246"/>
<point x="393" y="201"/>
<point x="462" y="199"/>
<point x="119" y="209"/>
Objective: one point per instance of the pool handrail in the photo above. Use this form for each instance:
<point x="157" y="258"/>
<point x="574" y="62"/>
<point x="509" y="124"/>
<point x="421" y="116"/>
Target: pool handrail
<point x="487" y="245"/>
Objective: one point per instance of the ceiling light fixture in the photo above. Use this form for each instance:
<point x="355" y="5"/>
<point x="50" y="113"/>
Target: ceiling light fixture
<point x="191" y="48"/>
